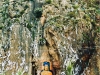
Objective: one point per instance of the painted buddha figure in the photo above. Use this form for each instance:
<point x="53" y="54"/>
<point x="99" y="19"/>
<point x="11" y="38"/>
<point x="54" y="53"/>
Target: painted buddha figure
<point x="46" y="70"/>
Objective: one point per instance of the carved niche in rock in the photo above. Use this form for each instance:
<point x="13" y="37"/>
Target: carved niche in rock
<point x="52" y="38"/>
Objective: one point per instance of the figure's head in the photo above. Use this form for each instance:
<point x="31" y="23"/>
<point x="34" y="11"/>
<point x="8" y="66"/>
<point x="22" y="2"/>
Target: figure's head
<point x="46" y="65"/>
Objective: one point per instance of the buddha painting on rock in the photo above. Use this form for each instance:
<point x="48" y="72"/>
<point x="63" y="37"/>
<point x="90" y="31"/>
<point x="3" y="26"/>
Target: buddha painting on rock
<point x="46" y="70"/>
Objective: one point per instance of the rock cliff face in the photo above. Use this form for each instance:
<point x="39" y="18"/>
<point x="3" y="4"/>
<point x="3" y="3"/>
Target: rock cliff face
<point x="16" y="57"/>
<point x="65" y="33"/>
